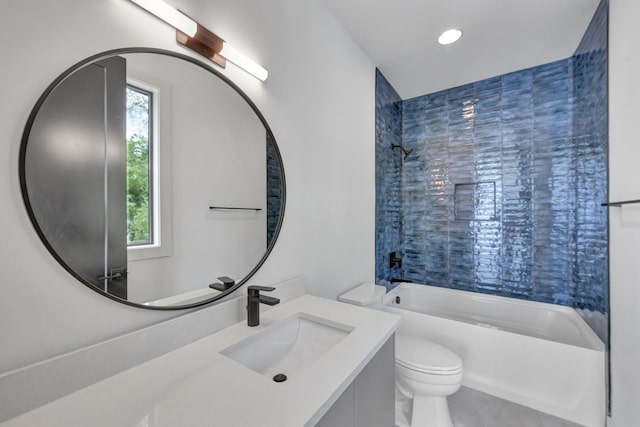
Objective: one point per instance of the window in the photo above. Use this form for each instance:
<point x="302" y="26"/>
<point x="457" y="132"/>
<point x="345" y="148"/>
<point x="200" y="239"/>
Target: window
<point x="149" y="118"/>
<point x="140" y="182"/>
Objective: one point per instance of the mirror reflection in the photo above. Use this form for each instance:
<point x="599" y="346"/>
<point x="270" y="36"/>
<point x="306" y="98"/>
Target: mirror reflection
<point x="148" y="177"/>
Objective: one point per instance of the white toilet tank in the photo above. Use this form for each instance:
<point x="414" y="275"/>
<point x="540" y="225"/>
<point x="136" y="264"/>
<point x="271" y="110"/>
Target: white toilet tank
<point x="366" y="295"/>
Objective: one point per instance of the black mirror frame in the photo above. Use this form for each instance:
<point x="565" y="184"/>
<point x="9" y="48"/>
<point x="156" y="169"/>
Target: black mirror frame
<point x="23" y="187"/>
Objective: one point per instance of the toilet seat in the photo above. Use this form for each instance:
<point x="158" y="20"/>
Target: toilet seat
<point x="420" y="355"/>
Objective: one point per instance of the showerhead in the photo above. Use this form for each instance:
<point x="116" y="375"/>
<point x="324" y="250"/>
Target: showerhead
<point x="404" y="150"/>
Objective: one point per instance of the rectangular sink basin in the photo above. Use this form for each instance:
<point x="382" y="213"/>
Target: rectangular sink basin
<point x="289" y="346"/>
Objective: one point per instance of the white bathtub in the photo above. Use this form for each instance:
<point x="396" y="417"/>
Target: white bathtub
<point x="540" y="355"/>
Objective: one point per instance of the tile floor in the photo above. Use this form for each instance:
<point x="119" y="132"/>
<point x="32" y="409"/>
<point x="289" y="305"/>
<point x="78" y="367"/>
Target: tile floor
<point x="471" y="408"/>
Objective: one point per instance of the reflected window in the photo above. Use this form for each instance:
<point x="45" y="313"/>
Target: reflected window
<point x="140" y="144"/>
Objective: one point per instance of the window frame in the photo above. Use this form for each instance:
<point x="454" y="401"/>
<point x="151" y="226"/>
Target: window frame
<point x="153" y="220"/>
<point x="160" y="196"/>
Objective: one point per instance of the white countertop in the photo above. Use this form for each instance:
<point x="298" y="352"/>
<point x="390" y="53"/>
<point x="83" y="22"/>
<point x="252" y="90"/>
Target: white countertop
<point x="196" y="386"/>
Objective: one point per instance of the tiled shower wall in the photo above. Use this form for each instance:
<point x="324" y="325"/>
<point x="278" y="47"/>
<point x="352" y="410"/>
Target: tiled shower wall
<point x="502" y="191"/>
<point x="274" y="190"/>
<point x="590" y="126"/>
<point x="388" y="177"/>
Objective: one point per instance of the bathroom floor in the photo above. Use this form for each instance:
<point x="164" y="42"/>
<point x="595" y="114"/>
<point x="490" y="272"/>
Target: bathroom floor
<point x="471" y="408"/>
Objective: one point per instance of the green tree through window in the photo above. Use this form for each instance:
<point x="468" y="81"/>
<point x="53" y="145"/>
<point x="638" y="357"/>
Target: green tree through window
<point x="139" y="173"/>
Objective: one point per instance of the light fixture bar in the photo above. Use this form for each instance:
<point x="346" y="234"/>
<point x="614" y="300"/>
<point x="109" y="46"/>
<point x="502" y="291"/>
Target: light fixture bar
<point x="199" y="39"/>
<point x="171" y="16"/>
<point x="243" y="62"/>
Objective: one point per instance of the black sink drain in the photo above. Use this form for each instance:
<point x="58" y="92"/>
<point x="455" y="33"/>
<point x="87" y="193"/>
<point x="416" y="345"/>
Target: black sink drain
<point x="279" y="378"/>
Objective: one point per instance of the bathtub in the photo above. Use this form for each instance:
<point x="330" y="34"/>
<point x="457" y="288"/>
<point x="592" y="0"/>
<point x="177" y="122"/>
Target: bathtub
<point x="543" y="356"/>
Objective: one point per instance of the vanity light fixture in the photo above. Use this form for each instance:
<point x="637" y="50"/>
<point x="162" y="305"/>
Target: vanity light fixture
<point x="199" y="39"/>
<point x="449" y="36"/>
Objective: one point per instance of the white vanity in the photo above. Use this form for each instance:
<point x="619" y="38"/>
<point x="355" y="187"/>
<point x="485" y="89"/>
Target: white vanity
<point x="331" y="352"/>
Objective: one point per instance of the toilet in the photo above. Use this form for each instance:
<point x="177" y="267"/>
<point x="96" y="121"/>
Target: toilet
<point x="425" y="372"/>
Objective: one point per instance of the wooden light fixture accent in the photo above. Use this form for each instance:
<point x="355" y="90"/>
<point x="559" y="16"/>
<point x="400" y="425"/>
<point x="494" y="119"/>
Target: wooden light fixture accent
<point x="204" y="43"/>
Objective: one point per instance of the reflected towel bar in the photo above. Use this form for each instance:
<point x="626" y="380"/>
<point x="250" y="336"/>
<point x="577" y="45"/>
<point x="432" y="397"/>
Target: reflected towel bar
<point x="619" y="204"/>
<point x="234" y="209"/>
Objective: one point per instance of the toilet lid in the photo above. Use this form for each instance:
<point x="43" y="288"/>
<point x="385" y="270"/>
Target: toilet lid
<point x="421" y="355"/>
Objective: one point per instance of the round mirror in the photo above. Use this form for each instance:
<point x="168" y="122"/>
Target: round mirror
<point x="152" y="178"/>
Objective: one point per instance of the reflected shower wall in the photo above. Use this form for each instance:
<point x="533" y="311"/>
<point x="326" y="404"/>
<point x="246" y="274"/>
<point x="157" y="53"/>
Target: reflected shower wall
<point x="274" y="190"/>
<point x="502" y="191"/>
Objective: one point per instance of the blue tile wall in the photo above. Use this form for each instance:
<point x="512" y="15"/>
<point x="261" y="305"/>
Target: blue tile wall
<point x="590" y="130"/>
<point x="274" y="190"/>
<point x="388" y="178"/>
<point x="501" y="193"/>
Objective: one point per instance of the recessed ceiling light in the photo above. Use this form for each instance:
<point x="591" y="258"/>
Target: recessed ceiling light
<point x="449" y="36"/>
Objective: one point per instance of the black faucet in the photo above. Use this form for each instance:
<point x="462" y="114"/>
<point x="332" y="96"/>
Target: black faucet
<point x="254" y="299"/>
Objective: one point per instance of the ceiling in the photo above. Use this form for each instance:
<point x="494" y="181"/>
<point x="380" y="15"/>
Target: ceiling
<point x="499" y="36"/>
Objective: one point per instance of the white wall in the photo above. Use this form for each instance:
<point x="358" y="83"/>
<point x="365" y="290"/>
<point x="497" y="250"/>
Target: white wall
<point x="318" y="100"/>
<point x="624" y="184"/>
